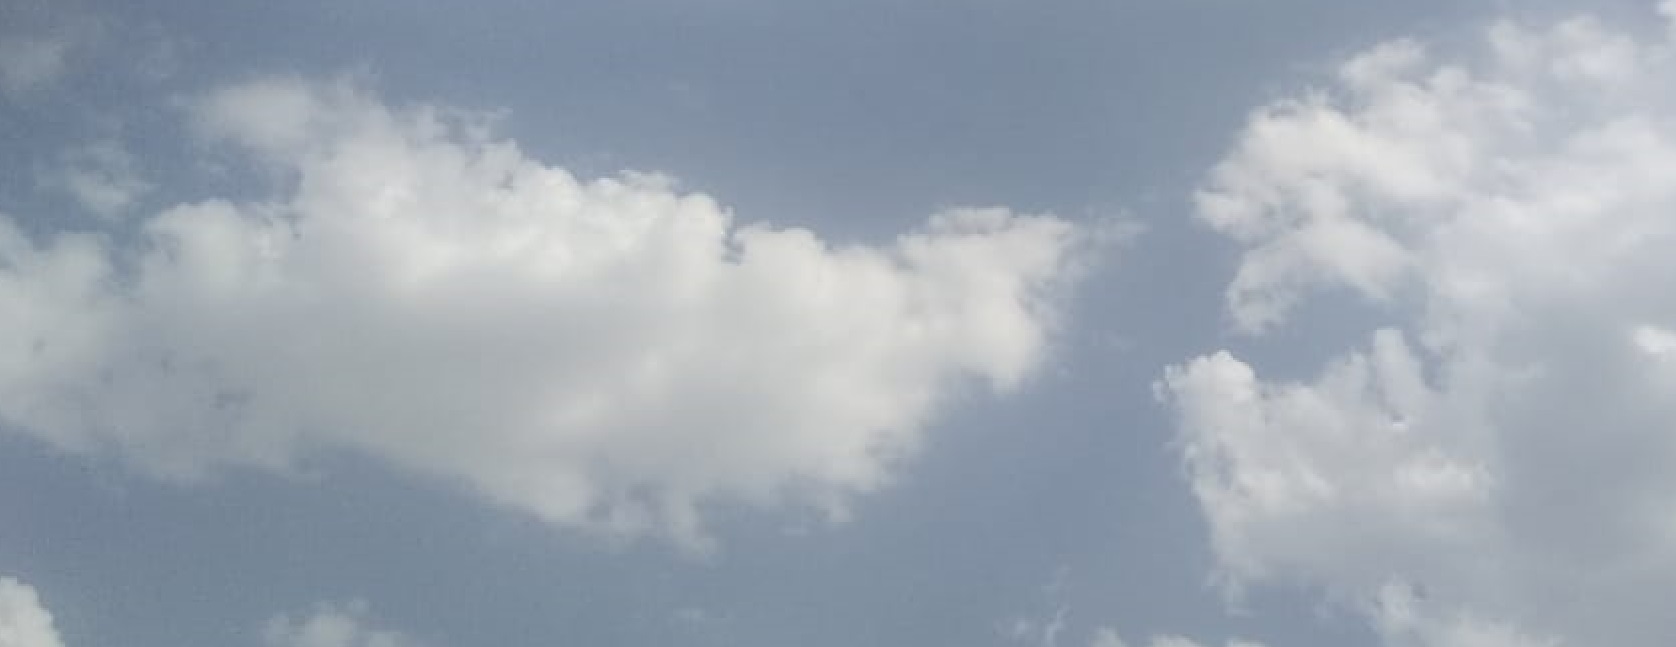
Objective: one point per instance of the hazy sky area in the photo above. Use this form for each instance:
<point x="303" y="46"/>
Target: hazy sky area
<point x="1165" y="323"/>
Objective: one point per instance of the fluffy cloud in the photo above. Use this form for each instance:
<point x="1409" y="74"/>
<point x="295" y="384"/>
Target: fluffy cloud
<point x="1498" y="465"/>
<point x="23" y="621"/>
<point x="608" y="354"/>
<point x="332" y="625"/>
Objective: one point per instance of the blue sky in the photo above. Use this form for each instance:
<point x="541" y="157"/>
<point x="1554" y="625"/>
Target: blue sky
<point x="1145" y="324"/>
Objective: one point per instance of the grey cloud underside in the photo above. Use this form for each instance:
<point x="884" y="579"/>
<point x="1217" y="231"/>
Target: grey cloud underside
<point x="608" y="354"/>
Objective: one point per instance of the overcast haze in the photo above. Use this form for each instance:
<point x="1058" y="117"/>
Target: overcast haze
<point x="745" y="323"/>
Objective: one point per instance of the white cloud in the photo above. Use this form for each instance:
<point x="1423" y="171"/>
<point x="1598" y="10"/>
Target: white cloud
<point x="332" y="625"/>
<point x="23" y="621"/>
<point x="1498" y="467"/>
<point x="102" y="178"/>
<point x="1038" y="632"/>
<point x="607" y="354"/>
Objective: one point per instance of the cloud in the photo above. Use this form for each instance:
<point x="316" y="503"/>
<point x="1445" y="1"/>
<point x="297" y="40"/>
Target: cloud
<point x="23" y="621"/>
<point x="30" y="62"/>
<point x="101" y="177"/>
<point x="1107" y="638"/>
<point x="607" y="354"/>
<point x="1038" y="632"/>
<point x="1110" y="638"/>
<point x="41" y="46"/>
<point x="1497" y="466"/>
<point x="332" y="625"/>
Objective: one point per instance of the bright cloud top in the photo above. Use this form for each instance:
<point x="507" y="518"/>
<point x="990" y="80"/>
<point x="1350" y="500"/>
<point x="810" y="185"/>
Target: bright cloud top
<point x="609" y="354"/>
<point x="23" y="621"/>
<point x="1498" y="467"/>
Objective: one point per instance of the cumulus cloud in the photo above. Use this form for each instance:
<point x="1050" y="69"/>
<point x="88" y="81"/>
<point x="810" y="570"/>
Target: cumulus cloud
<point x="23" y="621"/>
<point x="1498" y="465"/>
<point x="608" y="354"/>
<point x="332" y="625"/>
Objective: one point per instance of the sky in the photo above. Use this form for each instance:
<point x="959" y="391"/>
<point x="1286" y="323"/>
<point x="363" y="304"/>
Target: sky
<point x="1186" y="323"/>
